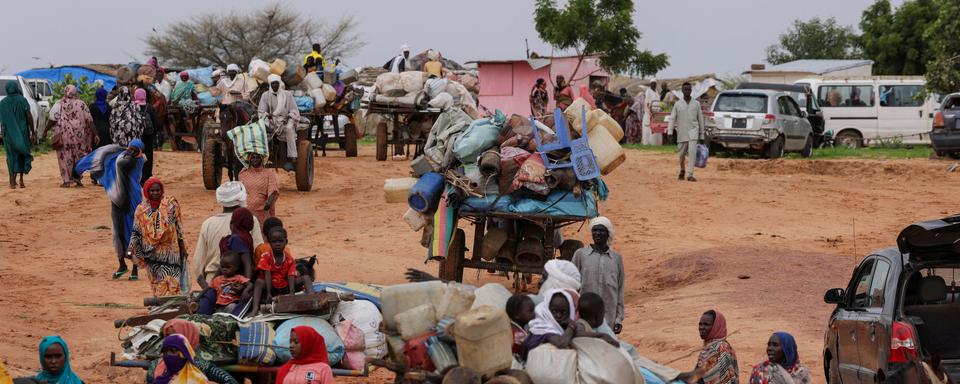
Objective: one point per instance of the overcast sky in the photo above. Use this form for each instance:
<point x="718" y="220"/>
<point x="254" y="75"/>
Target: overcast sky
<point x="700" y="36"/>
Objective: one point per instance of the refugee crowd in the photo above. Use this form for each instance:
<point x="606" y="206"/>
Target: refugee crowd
<point x="242" y="257"/>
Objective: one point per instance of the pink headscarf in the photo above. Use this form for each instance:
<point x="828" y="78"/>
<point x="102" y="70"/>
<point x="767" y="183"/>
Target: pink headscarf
<point x="719" y="329"/>
<point x="140" y="96"/>
<point x="70" y="92"/>
<point x="585" y="94"/>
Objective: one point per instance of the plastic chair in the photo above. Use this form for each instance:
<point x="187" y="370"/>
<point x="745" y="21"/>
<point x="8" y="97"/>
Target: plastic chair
<point x="582" y="160"/>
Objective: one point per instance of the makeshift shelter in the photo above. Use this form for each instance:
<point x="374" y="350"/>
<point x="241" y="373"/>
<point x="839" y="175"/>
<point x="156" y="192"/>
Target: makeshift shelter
<point x="788" y="73"/>
<point x="93" y="72"/>
<point x="506" y="84"/>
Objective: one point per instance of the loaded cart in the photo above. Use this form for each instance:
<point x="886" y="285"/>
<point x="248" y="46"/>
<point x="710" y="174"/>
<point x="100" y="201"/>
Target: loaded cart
<point x="406" y="121"/>
<point x="256" y="348"/>
<point x="335" y="123"/>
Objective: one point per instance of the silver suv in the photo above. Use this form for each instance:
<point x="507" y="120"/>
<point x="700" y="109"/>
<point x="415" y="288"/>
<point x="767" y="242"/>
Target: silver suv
<point x="765" y="121"/>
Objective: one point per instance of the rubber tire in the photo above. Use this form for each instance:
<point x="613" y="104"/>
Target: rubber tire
<point x="350" y="134"/>
<point x="849" y="139"/>
<point x="304" y="166"/>
<point x="775" y="148"/>
<point x="807" y="150"/>
<point x="451" y="267"/>
<point x="382" y="142"/>
<point x="212" y="173"/>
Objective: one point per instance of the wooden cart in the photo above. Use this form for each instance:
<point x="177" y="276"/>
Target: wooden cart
<point x="453" y="266"/>
<point x="400" y="138"/>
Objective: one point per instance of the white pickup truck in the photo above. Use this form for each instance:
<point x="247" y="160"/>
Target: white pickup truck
<point x="39" y="109"/>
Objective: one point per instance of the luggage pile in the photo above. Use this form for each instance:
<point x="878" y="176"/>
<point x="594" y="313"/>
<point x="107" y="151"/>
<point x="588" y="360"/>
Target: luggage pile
<point x="414" y="90"/>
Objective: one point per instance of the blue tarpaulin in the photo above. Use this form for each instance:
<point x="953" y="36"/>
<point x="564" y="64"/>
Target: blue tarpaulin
<point x="56" y="75"/>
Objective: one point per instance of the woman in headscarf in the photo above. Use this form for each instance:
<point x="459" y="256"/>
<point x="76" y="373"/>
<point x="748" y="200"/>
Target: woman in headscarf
<point x="560" y="274"/>
<point x="55" y="361"/>
<point x="262" y="187"/>
<point x="183" y="95"/>
<point x="717" y="363"/>
<point x="634" y="124"/>
<point x="539" y="99"/>
<point x="118" y="171"/>
<point x="555" y="321"/>
<point x="240" y="239"/>
<point x="100" y="112"/>
<point x="178" y="365"/>
<point x="151" y="123"/>
<point x="191" y="333"/>
<point x="586" y="96"/>
<point x="74" y="126"/>
<point x="783" y="363"/>
<point x="310" y="363"/>
<point x="18" y="132"/>
<point x="126" y="120"/>
<point x="157" y="241"/>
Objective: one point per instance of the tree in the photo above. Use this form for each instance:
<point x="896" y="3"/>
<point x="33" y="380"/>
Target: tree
<point x="272" y="32"/>
<point x="814" y="39"/>
<point x="597" y="28"/>
<point x="86" y="90"/>
<point x="943" y="71"/>
<point x="895" y="39"/>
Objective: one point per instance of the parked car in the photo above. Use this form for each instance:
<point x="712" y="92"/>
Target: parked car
<point x="898" y="312"/>
<point x="757" y="120"/>
<point x="945" y="135"/>
<point x="859" y="110"/>
<point x="804" y="97"/>
<point x="39" y="113"/>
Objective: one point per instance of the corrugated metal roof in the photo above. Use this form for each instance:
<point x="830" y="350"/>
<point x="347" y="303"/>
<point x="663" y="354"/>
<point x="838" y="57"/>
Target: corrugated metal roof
<point x="819" y="67"/>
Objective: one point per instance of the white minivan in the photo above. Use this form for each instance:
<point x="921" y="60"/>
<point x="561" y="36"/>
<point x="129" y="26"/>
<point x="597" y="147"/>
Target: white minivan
<point x="867" y="110"/>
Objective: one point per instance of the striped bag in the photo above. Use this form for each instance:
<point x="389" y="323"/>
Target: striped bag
<point x="250" y="138"/>
<point x="255" y="339"/>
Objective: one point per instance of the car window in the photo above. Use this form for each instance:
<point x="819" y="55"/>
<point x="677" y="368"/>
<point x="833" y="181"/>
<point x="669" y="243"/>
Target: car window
<point x="861" y="286"/>
<point x="746" y="103"/>
<point x="846" y="96"/>
<point x="952" y="102"/>
<point x="901" y="96"/>
<point x="3" y="87"/>
<point x="879" y="284"/>
<point x="787" y="107"/>
<point x="793" y="106"/>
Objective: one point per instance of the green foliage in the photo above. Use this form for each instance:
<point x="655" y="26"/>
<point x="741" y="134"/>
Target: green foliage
<point x="86" y="90"/>
<point x="814" y="39"/>
<point x="896" y="39"/>
<point x="943" y="71"/>
<point x="598" y="27"/>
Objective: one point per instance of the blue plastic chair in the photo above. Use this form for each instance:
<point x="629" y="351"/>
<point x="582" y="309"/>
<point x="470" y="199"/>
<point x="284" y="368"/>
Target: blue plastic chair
<point x="582" y="160"/>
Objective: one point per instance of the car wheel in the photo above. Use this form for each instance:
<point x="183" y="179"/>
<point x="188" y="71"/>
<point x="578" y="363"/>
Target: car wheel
<point x="833" y="372"/>
<point x="807" y="150"/>
<point x="775" y="148"/>
<point x="954" y="155"/>
<point x="849" y="139"/>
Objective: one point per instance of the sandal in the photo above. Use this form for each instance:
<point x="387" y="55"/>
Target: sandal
<point x="119" y="274"/>
<point x="133" y="278"/>
<point x="65" y="185"/>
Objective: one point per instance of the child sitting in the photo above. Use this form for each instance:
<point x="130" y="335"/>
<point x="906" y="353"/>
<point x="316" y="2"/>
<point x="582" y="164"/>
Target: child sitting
<point x="224" y="292"/>
<point x="278" y="269"/>
<point x="591" y="323"/>
<point x="520" y="310"/>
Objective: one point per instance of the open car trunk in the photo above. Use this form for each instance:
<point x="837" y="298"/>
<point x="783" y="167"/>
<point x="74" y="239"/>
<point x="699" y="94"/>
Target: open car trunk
<point x="931" y="303"/>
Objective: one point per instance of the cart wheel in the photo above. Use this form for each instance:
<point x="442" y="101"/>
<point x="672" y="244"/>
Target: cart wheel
<point x="350" y="135"/>
<point x="451" y="267"/>
<point x="212" y="172"/>
<point x="304" y="165"/>
<point x="382" y="142"/>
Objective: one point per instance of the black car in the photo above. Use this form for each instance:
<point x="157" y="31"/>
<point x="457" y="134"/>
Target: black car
<point x="945" y="136"/>
<point x="899" y="317"/>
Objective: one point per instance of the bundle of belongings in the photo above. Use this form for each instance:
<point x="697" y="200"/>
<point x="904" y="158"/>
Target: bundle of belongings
<point x="515" y="165"/>
<point x="417" y="90"/>
<point x="350" y="329"/>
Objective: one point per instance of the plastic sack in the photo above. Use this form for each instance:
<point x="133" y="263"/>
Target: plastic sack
<point x="388" y="84"/>
<point x="599" y="363"/>
<point x="491" y="294"/>
<point x="365" y="316"/>
<point x="304" y="103"/>
<point x="255" y="344"/>
<point x="204" y="75"/>
<point x="259" y="69"/>
<point x="206" y="98"/>
<point x="532" y="175"/>
<point x="281" y="343"/>
<point x="442" y="101"/>
<point x="436" y="86"/>
<point x="412" y="81"/>
<point x="703" y="153"/>
<point x="478" y="137"/>
<point x="548" y="365"/>
<point x="351" y="335"/>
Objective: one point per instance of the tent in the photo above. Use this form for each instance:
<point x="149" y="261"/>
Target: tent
<point x="94" y="72"/>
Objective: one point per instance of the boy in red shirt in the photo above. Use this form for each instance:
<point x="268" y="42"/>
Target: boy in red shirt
<point x="277" y="268"/>
<point x="227" y="287"/>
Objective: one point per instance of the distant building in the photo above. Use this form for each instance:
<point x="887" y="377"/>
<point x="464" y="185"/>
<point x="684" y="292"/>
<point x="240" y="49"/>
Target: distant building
<point x="506" y="84"/>
<point x="788" y="73"/>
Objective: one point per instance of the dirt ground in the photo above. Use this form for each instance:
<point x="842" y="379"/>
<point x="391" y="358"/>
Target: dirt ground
<point x="757" y="240"/>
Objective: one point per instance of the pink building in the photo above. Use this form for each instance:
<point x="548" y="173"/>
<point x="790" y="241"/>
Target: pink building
<point x="506" y="84"/>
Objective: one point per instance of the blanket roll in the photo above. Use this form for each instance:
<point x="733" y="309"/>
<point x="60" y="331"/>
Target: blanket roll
<point x="490" y="163"/>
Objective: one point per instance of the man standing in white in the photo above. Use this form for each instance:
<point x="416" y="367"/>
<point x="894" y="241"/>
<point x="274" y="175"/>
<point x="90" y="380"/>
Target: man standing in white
<point x="686" y="119"/>
<point x="649" y="97"/>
